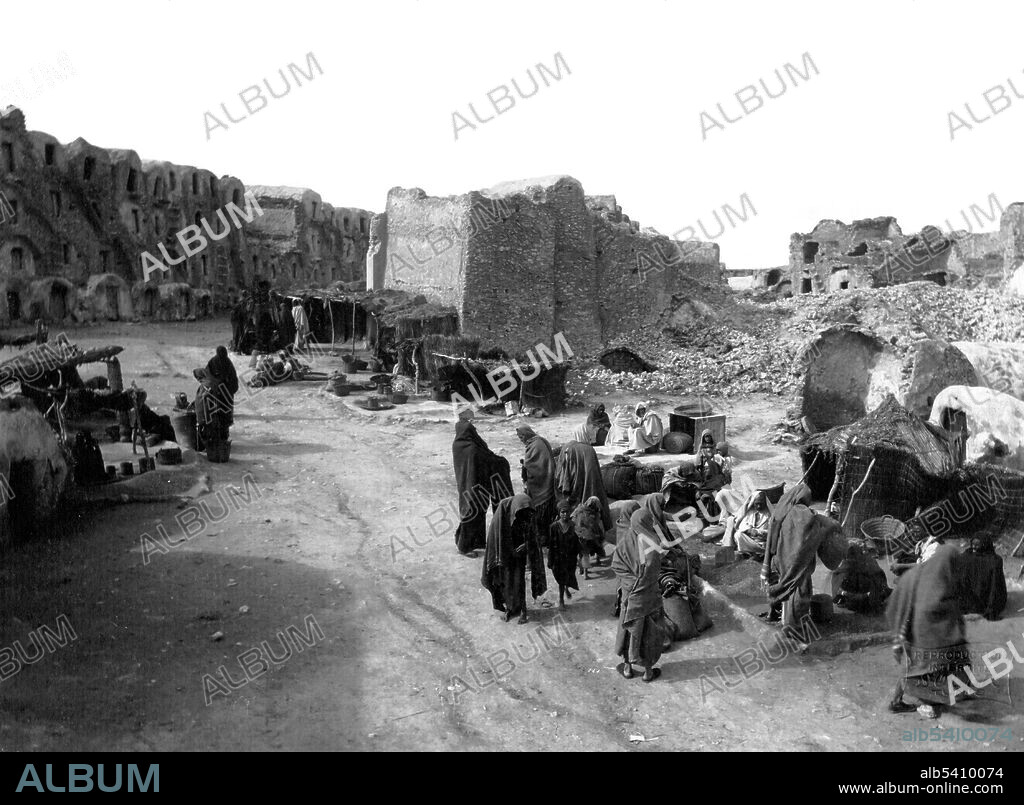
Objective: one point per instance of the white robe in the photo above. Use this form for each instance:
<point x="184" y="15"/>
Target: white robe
<point x="647" y="434"/>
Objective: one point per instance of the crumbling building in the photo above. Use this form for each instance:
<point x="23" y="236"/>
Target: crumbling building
<point x="874" y="252"/>
<point x="77" y="220"/>
<point x="524" y="261"/>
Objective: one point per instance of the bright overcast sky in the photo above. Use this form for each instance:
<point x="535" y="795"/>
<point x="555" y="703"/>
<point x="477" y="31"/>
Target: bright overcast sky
<point x="869" y="135"/>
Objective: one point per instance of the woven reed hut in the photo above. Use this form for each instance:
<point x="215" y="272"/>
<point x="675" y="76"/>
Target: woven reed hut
<point x="914" y="464"/>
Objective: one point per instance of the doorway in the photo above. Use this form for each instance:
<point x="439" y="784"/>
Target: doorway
<point x="58" y="302"/>
<point x="113" y="302"/>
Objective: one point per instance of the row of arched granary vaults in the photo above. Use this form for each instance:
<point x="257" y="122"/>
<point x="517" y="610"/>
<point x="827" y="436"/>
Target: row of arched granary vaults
<point x="76" y="220"/>
<point x="106" y="297"/>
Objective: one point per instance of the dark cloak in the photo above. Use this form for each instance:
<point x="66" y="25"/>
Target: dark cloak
<point x="221" y="367"/>
<point x="982" y="583"/>
<point x="504" y="572"/>
<point x="925" y="617"/>
<point x="475" y="469"/>
<point x="539" y="477"/>
<point x="641" y="636"/>
<point x="598" y="417"/>
<point x="578" y="477"/>
<point x="563" y="553"/>
<point x="801" y="537"/>
<point x="286" y="325"/>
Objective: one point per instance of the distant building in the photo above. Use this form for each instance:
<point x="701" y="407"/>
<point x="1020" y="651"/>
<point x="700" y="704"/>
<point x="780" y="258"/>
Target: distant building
<point x="874" y="253"/>
<point x="76" y="219"/>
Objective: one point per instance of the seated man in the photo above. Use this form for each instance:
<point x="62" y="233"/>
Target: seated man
<point x="859" y="584"/>
<point x="982" y="588"/>
<point x="748" y="529"/>
<point x="646" y="432"/>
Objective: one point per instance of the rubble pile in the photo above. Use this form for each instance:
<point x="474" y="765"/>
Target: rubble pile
<point x="910" y="312"/>
<point x="753" y="348"/>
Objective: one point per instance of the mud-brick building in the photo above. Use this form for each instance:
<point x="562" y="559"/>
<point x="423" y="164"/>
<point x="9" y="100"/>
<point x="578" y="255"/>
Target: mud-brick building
<point x="526" y="260"/>
<point x="300" y="242"/>
<point x="76" y="220"/>
<point x="874" y="252"/>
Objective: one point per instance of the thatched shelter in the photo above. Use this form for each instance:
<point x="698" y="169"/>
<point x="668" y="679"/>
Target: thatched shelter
<point x="384" y="318"/>
<point x="34" y="471"/>
<point x="914" y="463"/>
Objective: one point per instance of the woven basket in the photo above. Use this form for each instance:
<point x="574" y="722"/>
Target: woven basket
<point x="883" y="532"/>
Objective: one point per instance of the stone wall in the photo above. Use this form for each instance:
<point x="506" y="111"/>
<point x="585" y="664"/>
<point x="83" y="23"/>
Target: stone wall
<point x="301" y="242"/>
<point x="82" y="212"/>
<point x="524" y="261"/>
<point x="427" y="240"/>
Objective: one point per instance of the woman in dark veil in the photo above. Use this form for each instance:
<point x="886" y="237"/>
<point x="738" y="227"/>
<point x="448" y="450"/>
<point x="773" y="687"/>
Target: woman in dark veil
<point x="482" y="477"/>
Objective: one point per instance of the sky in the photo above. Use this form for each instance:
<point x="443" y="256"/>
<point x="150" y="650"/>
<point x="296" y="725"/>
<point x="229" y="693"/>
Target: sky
<point x="866" y="133"/>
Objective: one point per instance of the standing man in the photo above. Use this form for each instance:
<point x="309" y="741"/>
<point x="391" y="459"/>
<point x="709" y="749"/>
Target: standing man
<point x="302" y="333"/>
<point x="539" y="477"/>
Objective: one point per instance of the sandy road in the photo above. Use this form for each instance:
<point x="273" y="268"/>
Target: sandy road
<point x="406" y="653"/>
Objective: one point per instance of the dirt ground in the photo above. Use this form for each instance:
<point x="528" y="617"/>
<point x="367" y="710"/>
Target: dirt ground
<point x="350" y="539"/>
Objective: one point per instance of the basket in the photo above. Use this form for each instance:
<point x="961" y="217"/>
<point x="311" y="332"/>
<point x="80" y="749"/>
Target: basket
<point x="168" y="456"/>
<point x="185" y="429"/>
<point x="398" y="398"/>
<point x="648" y="480"/>
<point x="883" y="532"/>
<point x="619" y="480"/>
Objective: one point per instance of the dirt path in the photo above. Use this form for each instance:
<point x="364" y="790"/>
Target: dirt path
<point x="394" y="644"/>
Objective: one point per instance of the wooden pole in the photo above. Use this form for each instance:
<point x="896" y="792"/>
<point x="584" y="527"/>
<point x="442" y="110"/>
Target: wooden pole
<point x="855" y="491"/>
<point x="815" y="461"/>
<point x="330" y="310"/>
<point x="840" y="467"/>
<point x="353" y="327"/>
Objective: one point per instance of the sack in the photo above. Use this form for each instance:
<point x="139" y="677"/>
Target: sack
<point x="701" y="621"/>
<point x="648" y="480"/>
<point x="678" y="618"/>
<point x="619" y="480"/>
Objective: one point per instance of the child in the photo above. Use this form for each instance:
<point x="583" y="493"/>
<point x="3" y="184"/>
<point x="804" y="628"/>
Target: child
<point x="587" y="521"/>
<point x="563" y="551"/>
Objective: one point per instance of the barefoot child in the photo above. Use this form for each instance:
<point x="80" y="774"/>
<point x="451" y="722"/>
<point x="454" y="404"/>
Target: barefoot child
<point x="563" y="551"/>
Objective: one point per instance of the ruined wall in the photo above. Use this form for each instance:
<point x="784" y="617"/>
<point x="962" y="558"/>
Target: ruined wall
<point x="977" y="259"/>
<point x="427" y="241"/>
<point x="1011" y="233"/>
<point x="377" y="253"/>
<point x="834" y="255"/>
<point x="644" y="275"/>
<point x="524" y="261"/>
<point x="875" y="253"/>
<point x="83" y="212"/>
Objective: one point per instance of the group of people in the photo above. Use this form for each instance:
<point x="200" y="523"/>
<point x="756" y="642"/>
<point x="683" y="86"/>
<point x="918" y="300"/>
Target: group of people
<point x="640" y="430"/>
<point x="260" y="324"/>
<point x="564" y="511"/>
